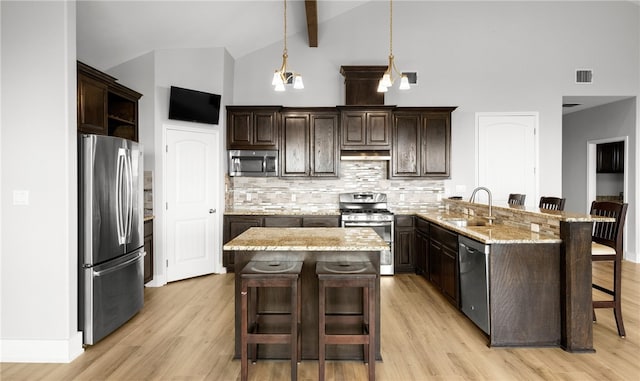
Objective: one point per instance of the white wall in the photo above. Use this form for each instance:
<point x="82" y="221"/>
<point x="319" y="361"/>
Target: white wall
<point x="612" y="120"/>
<point x="38" y="148"/>
<point x="204" y="69"/>
<point x="479" y="56"/>
<point x="138" y="75"/>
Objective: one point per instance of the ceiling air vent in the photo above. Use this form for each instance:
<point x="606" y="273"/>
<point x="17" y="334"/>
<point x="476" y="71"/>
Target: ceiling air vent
<point x="584" y="76"/>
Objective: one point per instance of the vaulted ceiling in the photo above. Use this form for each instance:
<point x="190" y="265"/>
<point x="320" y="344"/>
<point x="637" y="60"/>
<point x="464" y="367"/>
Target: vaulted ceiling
<point x="111" y="32"/>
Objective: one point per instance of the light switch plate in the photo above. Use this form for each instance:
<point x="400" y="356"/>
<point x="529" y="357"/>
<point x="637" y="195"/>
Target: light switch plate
<point x="20" y="197"/>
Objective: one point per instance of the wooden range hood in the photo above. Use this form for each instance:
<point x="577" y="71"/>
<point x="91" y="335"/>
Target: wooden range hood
<point x="361" y="85"/>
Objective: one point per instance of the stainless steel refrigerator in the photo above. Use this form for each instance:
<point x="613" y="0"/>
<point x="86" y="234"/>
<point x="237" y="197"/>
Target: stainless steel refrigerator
<point x="111" y="237"/>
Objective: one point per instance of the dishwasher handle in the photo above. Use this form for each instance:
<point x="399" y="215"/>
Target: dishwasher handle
<point x="468" y="249"/>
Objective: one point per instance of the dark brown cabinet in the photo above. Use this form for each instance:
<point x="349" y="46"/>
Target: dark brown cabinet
<point x="92" y="105"/>
<point x="309" y="143"/>
<point x="105" y="107"/>
<point x="365" y="127"/>
<point x="403" y="255"/>
<point x="421" y="142"/>
<point x="282" y="222"/>
<point x="443" y="262"/>
<point x="321" y="221"/>
<point x="610" y="157"/>
<point x="422" y="247"/>
<point x="252" y="127"/>
<point x="294" y="156"/>
<point x="148" y="249"/>
<point x="233" y="226"/>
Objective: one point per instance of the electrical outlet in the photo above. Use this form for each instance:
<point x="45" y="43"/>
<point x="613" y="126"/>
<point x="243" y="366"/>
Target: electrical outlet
<point x="248" y="196"/>
<point x="535" y="228"/>
<point x="460" y="189"/>
<point x="293" y="197"/>
<point x="401" y="196"/>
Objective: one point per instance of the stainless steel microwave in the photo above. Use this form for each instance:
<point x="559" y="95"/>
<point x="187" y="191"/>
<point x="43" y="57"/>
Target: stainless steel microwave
<point x="253" y="163"/>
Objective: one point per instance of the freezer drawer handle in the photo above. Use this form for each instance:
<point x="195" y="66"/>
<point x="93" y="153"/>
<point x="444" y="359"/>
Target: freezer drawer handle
<point x="120" y="266"/>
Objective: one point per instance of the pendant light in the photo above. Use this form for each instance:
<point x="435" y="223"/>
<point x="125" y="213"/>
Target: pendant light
<point x="282" y="75"/>
<point x="388" y="77"/>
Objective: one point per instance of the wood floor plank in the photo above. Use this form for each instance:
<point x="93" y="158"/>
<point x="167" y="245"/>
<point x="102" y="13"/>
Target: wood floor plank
<point x="185" y="332"/>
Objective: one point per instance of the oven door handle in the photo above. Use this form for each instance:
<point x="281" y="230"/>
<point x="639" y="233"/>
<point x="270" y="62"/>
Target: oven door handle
<point x="354" y="224"/>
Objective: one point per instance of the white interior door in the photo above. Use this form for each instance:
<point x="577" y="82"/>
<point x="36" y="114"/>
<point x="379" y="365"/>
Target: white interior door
<point x="191" y="195"/>
<point x="507" y="155"/>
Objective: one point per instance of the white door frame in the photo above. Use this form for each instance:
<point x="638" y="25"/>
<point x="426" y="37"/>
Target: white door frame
<point x="536" y="159"/>
<point x="592" y="164"/>
<point x="591" y="177"/>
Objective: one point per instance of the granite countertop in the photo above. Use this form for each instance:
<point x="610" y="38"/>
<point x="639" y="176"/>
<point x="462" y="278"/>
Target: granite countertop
<point x="307" y="239"/>
<point x="535" y="211"/>
<point x="489" y="234"/>
<point x="281" y="212"/>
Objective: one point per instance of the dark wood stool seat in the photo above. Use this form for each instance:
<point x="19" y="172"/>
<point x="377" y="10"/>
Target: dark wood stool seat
<point x="351" y="275"/>
<point x="258" y="274"/>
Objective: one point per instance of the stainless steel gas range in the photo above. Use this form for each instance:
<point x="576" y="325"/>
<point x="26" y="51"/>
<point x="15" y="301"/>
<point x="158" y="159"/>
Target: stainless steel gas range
<point x="361" y="209"/>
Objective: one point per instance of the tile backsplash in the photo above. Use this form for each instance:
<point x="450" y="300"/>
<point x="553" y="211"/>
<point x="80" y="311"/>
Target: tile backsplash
<point x="314" y="195"/>
<point x="148" y="193"/>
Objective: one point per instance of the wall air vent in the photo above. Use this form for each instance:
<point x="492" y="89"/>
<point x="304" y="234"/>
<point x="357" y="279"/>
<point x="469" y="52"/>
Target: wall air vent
<point x="412" y="76"/>
<point x="584" y="76"/>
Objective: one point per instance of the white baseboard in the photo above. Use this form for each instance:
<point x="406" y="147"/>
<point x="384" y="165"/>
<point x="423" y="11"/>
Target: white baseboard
<point x="41" y="351"/>
<point x="157" y="281"/>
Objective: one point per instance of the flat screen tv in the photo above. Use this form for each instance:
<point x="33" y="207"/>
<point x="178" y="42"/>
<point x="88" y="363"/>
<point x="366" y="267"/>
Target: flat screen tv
<point x="194" y="106"/>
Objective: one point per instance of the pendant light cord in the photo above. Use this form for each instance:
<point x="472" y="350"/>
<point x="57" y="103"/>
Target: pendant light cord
<point x="391" y="28"/>
<point x="285" y="27"/>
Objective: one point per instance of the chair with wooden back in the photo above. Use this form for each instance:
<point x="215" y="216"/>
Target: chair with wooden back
<point x="606" y="245"/>
<point x="551" y="203"/>
<point x="516" y="199"/>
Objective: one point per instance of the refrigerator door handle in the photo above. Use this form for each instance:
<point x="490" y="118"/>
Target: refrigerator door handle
<point x="120" y="168"/>
<point x="129" y="192"/>
<point x="120" y="266"/>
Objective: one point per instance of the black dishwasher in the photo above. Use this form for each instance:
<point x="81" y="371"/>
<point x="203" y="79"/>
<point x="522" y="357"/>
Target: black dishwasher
<point x="473" y="258"/>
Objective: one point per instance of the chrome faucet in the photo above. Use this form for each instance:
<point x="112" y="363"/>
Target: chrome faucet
<point x="473" y="195"/>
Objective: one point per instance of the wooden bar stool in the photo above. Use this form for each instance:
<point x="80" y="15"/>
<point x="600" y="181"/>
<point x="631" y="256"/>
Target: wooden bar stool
<point x="607" y="245"/>
<point x="255" y="275"/>
<point x="348" y="274"/>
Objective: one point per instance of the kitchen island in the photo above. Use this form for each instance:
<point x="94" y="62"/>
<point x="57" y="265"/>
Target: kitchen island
<point x="542" y="266"/>
<point x="308" y="245"/>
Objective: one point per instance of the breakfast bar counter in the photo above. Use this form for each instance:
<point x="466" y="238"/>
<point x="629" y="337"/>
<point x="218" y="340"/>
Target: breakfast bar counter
<point x="526" y="225"/>
<point x="308" y="245"/>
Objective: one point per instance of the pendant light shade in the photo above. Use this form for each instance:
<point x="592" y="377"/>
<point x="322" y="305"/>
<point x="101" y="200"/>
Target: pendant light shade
<point x="404" y="83"/>
<point x="283" y="76"/>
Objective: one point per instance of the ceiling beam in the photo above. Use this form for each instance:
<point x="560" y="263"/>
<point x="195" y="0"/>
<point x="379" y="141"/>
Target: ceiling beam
<point x="311" y="7"/>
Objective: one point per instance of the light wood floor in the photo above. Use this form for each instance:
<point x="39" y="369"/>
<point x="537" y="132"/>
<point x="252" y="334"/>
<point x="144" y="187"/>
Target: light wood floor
<point x="185" y="332"/>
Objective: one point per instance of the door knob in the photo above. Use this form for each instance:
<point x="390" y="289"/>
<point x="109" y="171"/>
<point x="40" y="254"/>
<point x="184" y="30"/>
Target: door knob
<point x="211" y="211"/>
